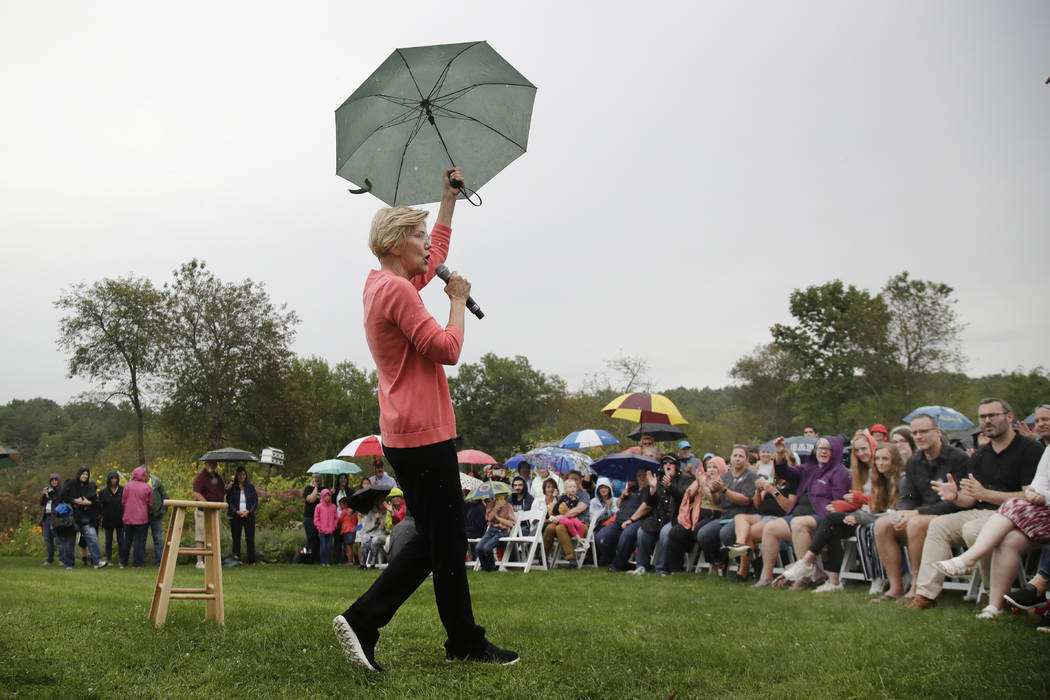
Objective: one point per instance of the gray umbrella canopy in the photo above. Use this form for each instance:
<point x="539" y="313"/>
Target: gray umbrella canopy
<point x="427" y="108"/>
<point x="228" y="454"/>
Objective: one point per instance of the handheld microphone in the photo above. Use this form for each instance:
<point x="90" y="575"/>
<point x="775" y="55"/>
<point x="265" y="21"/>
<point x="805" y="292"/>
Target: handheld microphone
<point x="444" y="273"/>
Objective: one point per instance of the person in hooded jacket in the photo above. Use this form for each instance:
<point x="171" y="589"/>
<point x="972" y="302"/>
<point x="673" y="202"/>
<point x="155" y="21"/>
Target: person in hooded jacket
<point x="326" y="517"/>
<point x="110" y="500"/>
<point x="48" y="500"/>
<point x="80" y="493"/>
<point x="137" y="500"/>
<point x="243" y="502"/>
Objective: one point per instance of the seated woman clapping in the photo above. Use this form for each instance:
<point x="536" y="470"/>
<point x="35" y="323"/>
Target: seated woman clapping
<point x="854" y="510"/>
<point x="773" y="499"/>
<point x="1014" y="528"/>
<point x="821" y="479"/>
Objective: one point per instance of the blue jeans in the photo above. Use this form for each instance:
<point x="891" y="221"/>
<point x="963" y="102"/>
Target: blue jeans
<point x="645" y="547"/>
<point x="625" y="545"/>
<point x="326" y="547"/>
<point x="712" y="536"/>
<point x="487" y="544"/>
<point x="50" y="538"/>
<point x="87" y="531"/>
<point x="156" y="526"/>
<point x="67" y="543"/>
<point x="134" y="534"/>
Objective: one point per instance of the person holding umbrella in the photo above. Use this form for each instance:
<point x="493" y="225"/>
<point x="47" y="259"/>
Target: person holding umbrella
<point x="418" y="426"/>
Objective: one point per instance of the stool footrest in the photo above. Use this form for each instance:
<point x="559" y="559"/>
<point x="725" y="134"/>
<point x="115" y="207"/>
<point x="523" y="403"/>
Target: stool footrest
<point x="192" y="590"/>
<point x="203" y="551"/>
<point x="193" y="596"/>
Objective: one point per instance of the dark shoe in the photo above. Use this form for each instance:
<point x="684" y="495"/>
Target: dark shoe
<point x="489" y="653"/>
<point x="920" y="602"/>
<point x="357" y="649"/>
<point x="1026" y="597"/>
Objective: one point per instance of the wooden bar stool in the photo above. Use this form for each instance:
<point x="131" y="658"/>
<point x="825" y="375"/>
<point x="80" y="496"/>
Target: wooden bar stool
<point x="212" y="591"/>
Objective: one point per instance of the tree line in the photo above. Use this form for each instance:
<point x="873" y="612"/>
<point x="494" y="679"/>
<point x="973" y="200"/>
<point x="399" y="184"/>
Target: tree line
<point x="199" y="363"/>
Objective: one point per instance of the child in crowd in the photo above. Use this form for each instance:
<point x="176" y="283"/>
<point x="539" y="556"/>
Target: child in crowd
<point x="325" y="520"/>
<point x="347" y="528"/>
<point x="566" y="502"/>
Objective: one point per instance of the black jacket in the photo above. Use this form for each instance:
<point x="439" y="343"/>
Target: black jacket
<point x="111" y="504"/>
<point x="74" y="489"/>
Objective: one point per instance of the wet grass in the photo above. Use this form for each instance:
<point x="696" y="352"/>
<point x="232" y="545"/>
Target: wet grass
<point x="581" y="634"/>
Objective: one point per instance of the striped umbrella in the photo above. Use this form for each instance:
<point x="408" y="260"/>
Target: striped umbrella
<point x="363" y="446"/>
<point x="588" y="438"/>
<point x="643" y="407"/>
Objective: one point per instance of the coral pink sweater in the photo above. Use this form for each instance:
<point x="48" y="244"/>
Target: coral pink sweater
<point x="409" y="348"/>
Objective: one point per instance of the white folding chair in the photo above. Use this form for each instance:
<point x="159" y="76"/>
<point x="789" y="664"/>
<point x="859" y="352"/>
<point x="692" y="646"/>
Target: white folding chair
<point x="522" y="551"/>
<point x="581" y="548"/>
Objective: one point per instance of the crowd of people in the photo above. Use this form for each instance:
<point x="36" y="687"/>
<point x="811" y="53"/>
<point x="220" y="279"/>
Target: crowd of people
<point x="907" y="495"/>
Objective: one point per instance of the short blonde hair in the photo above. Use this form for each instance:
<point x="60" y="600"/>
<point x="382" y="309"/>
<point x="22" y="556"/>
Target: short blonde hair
<point x="390" y="227"/>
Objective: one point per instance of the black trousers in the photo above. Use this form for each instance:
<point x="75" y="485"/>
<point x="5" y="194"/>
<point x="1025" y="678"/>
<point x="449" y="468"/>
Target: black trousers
<point x="429" y="477"/>
<point x="237" y="524"/>
<point x="829" y="534"/>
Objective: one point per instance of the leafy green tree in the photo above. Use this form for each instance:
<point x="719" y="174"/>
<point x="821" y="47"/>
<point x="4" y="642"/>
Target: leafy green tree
<point x="221" y="338"/>
<point x="499" y="400"/>
<point x="765" y="376"/>
<point x="111" y="331"/>
<point x="840" y="342"/>
<point x="924" y="331"/>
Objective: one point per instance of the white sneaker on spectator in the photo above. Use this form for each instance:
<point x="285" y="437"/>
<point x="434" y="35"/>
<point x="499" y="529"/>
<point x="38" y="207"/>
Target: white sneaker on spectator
<point x="200" y="565"/>
<point x="990" y="612"/>
<point x="828" y="587"/>
<point x="638" y="572"/>
<point x="799" y="571"/>
<point x="878" y="585"/>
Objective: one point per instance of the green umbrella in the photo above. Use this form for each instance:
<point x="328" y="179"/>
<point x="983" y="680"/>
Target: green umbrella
<point x="334" y="466"/>
<point x="427" y="108"/>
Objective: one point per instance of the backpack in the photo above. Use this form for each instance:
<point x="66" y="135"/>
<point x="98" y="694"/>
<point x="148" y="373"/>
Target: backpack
<point x="62" y="518"/>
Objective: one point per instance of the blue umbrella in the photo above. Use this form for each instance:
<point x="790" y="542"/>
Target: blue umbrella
<point x="1030" y="420"/>
<point x="624" y="466"/>
<point x="949" y="418"/>
<point x="588" y="438"/>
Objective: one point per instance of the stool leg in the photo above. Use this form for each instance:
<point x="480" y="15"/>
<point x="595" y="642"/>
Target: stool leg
<point x="213" y="568"/>
<point x="166" y="575"/>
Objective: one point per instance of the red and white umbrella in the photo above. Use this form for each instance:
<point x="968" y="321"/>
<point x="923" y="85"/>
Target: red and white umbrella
<point x="475" y="457"/>
<point x="363" y="446"/>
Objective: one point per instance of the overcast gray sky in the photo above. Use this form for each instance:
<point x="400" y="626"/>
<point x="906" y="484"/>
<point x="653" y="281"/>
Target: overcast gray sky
<point x="689" y="164"/>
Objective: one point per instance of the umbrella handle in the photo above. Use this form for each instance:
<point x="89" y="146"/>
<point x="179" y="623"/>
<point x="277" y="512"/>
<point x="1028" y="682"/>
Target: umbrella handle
<point x="467" y="192"/>
<point x="366" y="188"/>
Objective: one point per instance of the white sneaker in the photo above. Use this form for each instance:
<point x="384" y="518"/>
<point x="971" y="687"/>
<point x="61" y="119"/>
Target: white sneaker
<point x="200" y="565"/>
<point x="799" y="571"/>
<point x="990" y="612"/>
<point x="878" y="585"/>
<point x="828" y="587"/>
<point x="638" y="572"/>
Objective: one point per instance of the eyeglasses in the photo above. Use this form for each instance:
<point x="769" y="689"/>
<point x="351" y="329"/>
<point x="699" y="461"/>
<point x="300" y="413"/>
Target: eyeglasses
<point x="425" y="237"/>
<point x="990" y="416"/>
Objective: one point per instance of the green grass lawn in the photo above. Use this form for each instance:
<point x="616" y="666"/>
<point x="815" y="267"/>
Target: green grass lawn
<point x="581" y="634"/>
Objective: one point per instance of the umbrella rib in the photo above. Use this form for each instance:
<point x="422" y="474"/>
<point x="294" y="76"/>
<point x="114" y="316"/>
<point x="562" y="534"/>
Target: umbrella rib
<point x="410" y="73"/>
<point x="450" y="97"/>
<point x="452" y="114"/>
<point x="444" y="73"/>
<point x="408" y="142"/>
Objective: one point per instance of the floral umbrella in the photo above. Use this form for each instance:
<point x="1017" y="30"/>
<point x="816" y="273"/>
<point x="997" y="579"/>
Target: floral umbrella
<point x="487" y="489"/>
<point x="556" y="459"/>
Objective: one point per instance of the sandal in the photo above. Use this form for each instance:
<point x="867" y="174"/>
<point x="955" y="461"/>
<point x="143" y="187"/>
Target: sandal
<point x="953" y="567"/>
<point x="887" y="598"/>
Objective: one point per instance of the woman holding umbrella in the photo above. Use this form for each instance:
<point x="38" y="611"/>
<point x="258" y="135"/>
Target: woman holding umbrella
<point x="418" y="426"/>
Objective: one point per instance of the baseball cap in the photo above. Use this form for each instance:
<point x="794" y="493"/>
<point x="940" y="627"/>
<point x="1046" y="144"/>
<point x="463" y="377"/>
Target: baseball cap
<point x="684" y="444"/>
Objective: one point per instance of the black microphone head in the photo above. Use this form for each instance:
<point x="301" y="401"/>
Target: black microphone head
<point x="443" y="272"/>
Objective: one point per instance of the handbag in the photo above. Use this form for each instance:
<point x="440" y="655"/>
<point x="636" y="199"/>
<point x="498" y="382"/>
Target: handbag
<point x="62" y="517"/>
